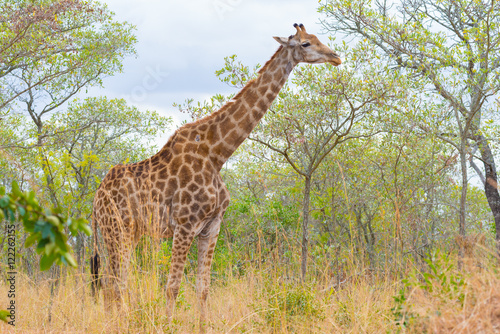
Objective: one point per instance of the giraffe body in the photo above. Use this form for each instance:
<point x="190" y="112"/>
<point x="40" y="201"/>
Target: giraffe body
<point x="179" y="192"/>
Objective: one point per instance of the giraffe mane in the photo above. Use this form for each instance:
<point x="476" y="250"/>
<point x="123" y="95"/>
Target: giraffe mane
<point x="242" y="91"/>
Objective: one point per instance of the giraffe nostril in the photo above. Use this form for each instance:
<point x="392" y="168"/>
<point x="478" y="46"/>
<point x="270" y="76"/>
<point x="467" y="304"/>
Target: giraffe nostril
<point x="336" y="59"/>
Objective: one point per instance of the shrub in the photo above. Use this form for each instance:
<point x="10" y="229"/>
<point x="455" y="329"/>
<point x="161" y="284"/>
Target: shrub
<point x="288" y="304"/>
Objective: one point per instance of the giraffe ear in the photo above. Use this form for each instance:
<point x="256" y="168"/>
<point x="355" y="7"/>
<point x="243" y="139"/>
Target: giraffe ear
<point x="282" y="40"/>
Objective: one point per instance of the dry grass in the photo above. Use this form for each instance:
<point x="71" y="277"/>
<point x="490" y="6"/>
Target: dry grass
<point x="245" y="304"/>
<point x="472" y="306"/>
<point x="479" y="313"/>
<point x="262" y="301"/>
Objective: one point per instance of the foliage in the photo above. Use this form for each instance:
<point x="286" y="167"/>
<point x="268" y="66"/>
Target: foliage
<point x="440" y="282"/>
<point x="451" y="43"/>
<point x="53" y="48"/>
<point x="401" y="316"/>
<point x="289" y="303"/>
<point x="451" y="46"/>
<point x="46" y="228"/>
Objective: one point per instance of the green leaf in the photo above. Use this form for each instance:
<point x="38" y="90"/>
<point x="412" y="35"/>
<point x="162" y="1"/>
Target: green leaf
<point x="85" y="228"/>
<point x="49" y="248"/>
<point x="46" y="261"/>
<point x="48" y="233"/>
<point x="61" y="242"/>
<point x="31" y="240"/>
<point x="4" y="202"/>
<point x="54" y="220"/>
<point x="21" y="211"/>
<point x="11" y="215"/>
<point x="4" y="314"/>
<point x="41" y="245"/>
<point x="15" y="189"/>
<point x="70" y="259"/>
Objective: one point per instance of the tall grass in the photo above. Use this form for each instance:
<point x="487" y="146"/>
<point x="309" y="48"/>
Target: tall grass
<point x="265" y="298"/>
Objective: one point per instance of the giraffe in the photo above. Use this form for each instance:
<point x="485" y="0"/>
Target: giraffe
<point x="180" y="187"/>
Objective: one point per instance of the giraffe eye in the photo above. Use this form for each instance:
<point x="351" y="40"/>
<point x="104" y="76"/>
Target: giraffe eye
<point x="306" y="44"/>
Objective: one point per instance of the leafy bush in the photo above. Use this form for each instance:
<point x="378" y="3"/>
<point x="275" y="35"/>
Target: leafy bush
<point x="288" y="304"/>
<point x="47" y="227"/>
<point x="442" y="284"/>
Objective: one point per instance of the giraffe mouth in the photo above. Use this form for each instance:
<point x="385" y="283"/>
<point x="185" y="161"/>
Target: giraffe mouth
<point x="336" y="61"/>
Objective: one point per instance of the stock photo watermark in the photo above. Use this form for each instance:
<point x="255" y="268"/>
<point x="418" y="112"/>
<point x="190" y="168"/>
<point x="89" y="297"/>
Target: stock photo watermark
<point x="10" y="231"/>
<point x="222" y="7"/>
<point x="153" y="78"/>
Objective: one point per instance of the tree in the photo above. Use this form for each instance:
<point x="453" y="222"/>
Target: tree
<point x="451" y="44"/>
<point x="50" y="49"/>
<point x="327" y="109"/>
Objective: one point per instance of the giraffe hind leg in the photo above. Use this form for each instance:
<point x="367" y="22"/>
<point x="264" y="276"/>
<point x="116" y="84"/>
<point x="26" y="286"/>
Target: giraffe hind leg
<point x="180" y="247"/>
<point x="119" y="249"/>
<point x="116" y="277"/>
<point x="206" y="247"/>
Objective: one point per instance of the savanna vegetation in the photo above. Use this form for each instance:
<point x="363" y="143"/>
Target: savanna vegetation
<point x="366" y="201"/>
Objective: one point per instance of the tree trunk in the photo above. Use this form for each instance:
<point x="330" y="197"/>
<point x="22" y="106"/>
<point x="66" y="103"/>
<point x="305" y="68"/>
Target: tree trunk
<point x="463" y="201"/>
<point x="491" y="184"/>
<point x="46" y="166"/>
<point x="305" y="223"/>
<point x="367" y="232"/>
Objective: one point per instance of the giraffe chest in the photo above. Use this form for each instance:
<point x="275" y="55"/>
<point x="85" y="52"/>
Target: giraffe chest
<point x="199" y="197"/>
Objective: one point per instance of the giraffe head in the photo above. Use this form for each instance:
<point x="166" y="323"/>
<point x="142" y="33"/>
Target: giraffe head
<point x="306" y="48"/>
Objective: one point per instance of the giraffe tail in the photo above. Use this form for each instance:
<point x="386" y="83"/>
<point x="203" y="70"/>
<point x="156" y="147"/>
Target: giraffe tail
<point x="95" y="263"/>
<point x="94" y="270"/>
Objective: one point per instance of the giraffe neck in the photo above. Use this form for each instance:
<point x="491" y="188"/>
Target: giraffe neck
<point x="239" y="116"/>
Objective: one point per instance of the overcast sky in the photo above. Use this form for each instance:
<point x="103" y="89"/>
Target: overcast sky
<point x="181" y="43"/>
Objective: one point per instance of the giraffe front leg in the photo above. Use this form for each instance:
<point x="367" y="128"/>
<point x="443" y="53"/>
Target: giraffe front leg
<point x="206" y="247"/>
<point x="180" y="247"/>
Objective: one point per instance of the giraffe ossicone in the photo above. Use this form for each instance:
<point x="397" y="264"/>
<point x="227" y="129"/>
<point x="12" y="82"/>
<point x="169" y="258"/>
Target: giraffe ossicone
<point x="179" y="192"/>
